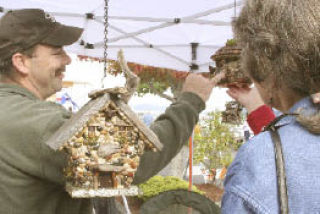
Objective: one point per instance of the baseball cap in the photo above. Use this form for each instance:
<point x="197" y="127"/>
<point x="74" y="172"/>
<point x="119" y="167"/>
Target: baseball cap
<point x="22" y="29"/>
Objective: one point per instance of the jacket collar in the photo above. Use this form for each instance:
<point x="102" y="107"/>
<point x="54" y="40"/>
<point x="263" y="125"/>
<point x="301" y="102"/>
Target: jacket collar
<point x="305" y="104"/>
<point x="16" y="89"/>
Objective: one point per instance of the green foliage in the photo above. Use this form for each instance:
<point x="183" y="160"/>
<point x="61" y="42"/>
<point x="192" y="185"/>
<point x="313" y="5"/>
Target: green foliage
<point x="215" y="141"/>
<point x="231" y="42"/>
<point x="158" y="184"/>
<point x="158" y="87"/>
<point x="226" y="160"/>
<point x="153" y="80"/>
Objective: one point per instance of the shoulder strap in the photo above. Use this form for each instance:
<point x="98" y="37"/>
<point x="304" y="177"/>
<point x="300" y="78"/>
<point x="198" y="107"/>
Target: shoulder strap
<point x="281" y="175"/>
<point x="280" y="170"/>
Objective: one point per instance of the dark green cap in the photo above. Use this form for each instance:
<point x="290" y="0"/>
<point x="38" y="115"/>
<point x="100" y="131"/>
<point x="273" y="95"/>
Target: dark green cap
<point x="22" y="29"/>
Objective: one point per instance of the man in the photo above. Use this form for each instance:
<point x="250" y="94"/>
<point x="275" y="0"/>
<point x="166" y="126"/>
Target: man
<point x="32" y="66"/>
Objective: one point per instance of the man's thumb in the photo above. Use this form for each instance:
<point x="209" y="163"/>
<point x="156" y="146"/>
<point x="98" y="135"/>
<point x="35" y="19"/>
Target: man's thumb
<point x="216" y="79"/>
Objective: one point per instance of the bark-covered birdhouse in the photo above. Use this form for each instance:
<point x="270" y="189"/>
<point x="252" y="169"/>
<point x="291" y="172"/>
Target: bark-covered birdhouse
<point x="227" y="60"/>
<point x="232" y="114"/>
<point x="104" y="142"/>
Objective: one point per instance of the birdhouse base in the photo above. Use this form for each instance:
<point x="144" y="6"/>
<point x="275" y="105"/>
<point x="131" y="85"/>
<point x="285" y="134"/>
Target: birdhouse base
<point x="77" y="192"/>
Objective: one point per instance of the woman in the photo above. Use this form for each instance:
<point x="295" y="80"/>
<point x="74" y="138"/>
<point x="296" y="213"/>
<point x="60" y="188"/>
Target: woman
<point x="281" y="52"/>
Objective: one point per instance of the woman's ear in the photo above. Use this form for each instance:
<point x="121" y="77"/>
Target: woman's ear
<point x="20" y="63"/>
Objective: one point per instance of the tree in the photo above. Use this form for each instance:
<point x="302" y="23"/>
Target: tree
<point x="214" y="142"/>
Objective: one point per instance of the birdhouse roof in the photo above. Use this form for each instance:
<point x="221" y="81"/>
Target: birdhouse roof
<point x="227" y="52"/>
<point x="97" y="103"/>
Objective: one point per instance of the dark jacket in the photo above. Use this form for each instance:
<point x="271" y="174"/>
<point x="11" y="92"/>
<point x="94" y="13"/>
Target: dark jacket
<point x="31" y="179"/>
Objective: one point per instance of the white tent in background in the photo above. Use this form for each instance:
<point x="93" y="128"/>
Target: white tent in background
<point x="151" y="32"/>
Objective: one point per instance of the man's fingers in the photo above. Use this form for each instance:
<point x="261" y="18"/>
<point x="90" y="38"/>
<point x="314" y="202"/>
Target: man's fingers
<point x="198" y="85"/>
<point x="217" y="78"/>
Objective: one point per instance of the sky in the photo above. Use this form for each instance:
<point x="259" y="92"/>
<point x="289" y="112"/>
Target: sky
<point x="87" y="76"/>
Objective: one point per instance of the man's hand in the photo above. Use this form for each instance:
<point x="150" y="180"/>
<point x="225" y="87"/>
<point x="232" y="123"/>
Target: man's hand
<point x="200" y="85"/>
<point x="248" y="97"/>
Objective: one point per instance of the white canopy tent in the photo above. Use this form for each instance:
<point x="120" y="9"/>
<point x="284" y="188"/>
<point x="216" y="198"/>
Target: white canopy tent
<point x="151" y="32"/>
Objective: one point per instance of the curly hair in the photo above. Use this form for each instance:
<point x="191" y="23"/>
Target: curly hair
<point x="281" y="38"/>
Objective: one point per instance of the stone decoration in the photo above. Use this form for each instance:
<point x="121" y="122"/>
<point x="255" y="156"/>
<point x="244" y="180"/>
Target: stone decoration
<point x="104" y="142"/>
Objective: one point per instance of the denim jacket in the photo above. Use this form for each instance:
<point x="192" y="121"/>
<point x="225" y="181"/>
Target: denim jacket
<point x="251" y="183"/>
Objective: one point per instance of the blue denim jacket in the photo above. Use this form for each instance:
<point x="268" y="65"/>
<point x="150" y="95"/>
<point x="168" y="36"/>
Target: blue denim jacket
<point x="251" y="184"/>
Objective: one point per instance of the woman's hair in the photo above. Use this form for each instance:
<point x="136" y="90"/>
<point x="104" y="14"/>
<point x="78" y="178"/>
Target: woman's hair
<point x="281" y="39"/>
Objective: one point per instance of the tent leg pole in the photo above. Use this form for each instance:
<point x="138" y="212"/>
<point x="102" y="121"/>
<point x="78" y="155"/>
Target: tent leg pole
<point x="190" y="166"/>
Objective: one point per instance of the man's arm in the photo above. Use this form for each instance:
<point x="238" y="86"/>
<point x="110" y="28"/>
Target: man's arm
<point x="52" y="162"/>
<point x="174" y="127"/>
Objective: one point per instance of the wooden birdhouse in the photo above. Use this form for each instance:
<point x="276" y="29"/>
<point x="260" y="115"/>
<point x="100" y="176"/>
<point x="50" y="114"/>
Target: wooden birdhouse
<point x="104" y="142"/>
<point x="227" y="60"/>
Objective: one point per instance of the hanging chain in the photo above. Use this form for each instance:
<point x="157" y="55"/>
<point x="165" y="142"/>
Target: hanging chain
<point x="105" y="53"/>
<point x="235" y="8"/>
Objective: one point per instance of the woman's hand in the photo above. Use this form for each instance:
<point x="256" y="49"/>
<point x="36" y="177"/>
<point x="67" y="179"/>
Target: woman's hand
<point x="248" y="97"/>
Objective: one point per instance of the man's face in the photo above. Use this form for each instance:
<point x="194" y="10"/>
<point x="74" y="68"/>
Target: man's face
<point x="46" y="69"/>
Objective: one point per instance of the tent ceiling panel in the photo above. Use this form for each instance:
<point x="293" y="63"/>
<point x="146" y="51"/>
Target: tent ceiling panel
<point x="151" y="32"/>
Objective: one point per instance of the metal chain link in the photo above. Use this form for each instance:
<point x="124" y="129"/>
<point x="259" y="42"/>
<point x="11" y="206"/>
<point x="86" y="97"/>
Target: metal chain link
<point x="235" y="8"/>
<point x="105" y="54"/>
